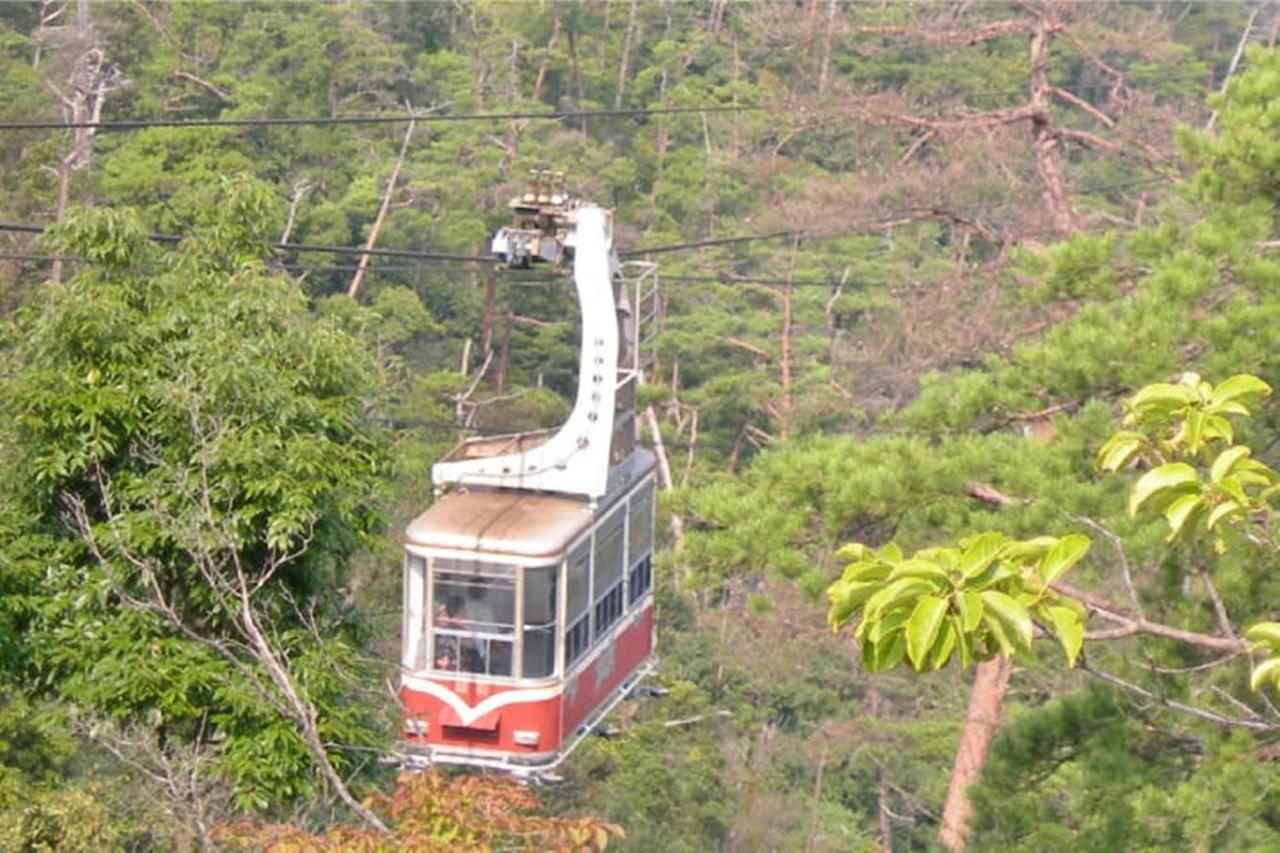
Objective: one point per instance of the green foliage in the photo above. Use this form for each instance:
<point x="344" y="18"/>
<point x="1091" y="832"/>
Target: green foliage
<point x="72" y="820"/>
<point x="35" y="749"/>
<point x="167" y="432"/>
<point x="1188" y="421"/>
<point x="1083" y="770"/>
<point x="969" y="602"/>
<point x="1231" y="500"/>
<point x="1241" y="162"/>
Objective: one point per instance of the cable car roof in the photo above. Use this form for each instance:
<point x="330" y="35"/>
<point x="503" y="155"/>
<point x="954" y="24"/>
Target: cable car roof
<point x="521" y="524"/>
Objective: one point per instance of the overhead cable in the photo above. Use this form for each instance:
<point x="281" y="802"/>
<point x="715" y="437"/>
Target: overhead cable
<point x="297" y="247"/>
<point x="397" y="118"/>
<point x="415" y="254"/>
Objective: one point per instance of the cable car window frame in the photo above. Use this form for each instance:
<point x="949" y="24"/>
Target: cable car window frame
<point x="461" y="646"/>
<point x="415" y="630"/>
<point x="577" y="630"/>
<point x="640" y="535"/>
<point x="607" y="582"/>
<point x="550" y="628"/>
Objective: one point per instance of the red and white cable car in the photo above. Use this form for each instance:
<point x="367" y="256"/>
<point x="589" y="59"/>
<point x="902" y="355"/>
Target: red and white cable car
<point x="528" y="600"/>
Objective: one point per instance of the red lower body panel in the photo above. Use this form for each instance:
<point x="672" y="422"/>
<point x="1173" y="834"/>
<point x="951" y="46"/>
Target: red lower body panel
<point x="531" y="722"/>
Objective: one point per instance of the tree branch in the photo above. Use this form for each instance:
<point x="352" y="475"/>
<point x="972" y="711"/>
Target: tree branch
<point x="1251" y="724"/>
<point x="1131" y="626"/>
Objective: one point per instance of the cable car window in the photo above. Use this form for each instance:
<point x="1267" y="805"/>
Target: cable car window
<point x="539" y="621"/>
<point x="640" y="579"/>
<point x="607" y="572"/>
<point x="608" y="553"/>
<point x="474" y="620"/>
<point x="415" y="602"/>
<point x="640" y="529"/>
<point x="577" y="615"/>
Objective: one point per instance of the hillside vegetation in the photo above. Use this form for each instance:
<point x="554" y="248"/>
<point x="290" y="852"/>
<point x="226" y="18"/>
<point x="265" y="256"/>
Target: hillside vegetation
<point x="917" y="260"/>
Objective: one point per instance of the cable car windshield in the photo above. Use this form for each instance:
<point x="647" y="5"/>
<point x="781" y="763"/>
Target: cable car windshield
<point x="473" y="626"/>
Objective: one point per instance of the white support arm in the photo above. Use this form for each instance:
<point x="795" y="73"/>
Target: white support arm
<point x="575" y="460"/>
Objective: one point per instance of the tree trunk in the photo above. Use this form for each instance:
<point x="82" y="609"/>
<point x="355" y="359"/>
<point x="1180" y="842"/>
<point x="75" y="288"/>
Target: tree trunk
<point x="784" y="427"/>
<point x="1048" y="161"/>
<point x="664" y="477"/>
<point x="504" y="354"/>
<point x="363" y="266"/>
<point x="990" y="684"/>
<point x="575" y="74"/>
<point x="626" y="56"/>
<point x="883" y="821"/>
<point x="827" y="36"/>
<point x="546" y="57"/>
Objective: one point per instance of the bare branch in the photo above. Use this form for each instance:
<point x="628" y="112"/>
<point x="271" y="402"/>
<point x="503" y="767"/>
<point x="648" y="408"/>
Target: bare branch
<point x="217" y="91"/>
<point x="1219" y="608"/>
<point x="749" y="347"/>
<point x="1126" y="573"/>
<point x="988" y="494"/>
<point x="1132" y="626"/>
<point x="1251" y="724"/>
<point x="1082" y="104"/>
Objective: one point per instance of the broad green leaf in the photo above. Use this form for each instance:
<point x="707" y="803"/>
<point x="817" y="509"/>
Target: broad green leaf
<point x="1252" y="478"/>
<point x="1010" y="613"/>
<point x="877" y="657"/>
<point x="1222" y="511"/>
<point x="865" y="571"/>
<point x="891" y="651"/>
<point x="1255" y="465"/>
<point x="1163" y="398"/>
<point x="964" y="648"/>
<point x="979" y="552"/>
<point x="1120" y="450"/>
<point x="1232" y="486"/>
<point x="1239" y="387"/>
<point x="904" y="588"/>
<point x="1070" y="631"/>
<point x="1268" y="670"/>
<point x="1217" y="427"/>
<point x="922" y="628"/>
<point x="970" y="606"/>
<point x="1265" y="632"/>
<point x="1062" y="556"/>
<point x="995" y="573"/>
<point x="888" y="624"/>
<point x="996" y="628"/>
<point x="868" y="650"/>
<point x="918" y="568"/>
<point x="1227" y="460"/>
<point x="1193" y="430"/>
<point x="853" y="552"/>
<point x="1029" y="549"/>
<point x="1172" y="475"/>
<point x="1180" y="512"/>
<point x="1231" y="408"/>
<point x="891" y="553"/>
<point x="846" y="598"/>
<point x="945" y="644"/>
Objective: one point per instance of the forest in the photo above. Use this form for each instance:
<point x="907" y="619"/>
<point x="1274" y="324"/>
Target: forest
<point x="961" y="391"/>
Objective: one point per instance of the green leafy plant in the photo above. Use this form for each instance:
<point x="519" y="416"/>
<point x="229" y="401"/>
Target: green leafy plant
<point x="971" y="602"/>
<point x="1173" y="428"/>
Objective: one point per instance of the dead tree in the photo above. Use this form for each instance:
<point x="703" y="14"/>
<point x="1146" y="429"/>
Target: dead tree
<point x="80" y="76"/>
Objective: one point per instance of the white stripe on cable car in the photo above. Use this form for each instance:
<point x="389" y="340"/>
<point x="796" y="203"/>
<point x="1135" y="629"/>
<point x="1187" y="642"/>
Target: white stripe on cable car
<point x="465" y="712"/>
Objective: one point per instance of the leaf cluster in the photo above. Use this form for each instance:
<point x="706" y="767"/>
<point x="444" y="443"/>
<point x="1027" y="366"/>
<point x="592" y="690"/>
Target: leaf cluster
<point x="966" y="603"/>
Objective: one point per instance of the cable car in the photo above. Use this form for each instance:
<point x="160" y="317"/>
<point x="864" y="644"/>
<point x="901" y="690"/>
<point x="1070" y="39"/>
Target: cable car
<point x="528" y="583"/>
